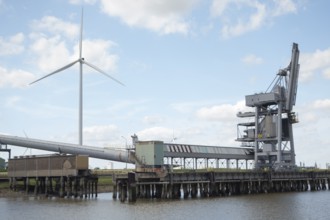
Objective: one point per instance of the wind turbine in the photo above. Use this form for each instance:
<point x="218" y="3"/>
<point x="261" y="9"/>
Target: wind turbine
<point x="81" y="61"/>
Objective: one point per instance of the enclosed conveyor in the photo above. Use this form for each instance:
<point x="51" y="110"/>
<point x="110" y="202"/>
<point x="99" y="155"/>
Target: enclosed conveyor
<point x="95" y="152"/>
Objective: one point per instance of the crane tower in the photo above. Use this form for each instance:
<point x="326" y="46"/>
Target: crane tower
<point x="269" y="130"/>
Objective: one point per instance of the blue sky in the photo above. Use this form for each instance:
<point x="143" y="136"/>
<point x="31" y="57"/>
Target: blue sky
<point x="187" y="66"/>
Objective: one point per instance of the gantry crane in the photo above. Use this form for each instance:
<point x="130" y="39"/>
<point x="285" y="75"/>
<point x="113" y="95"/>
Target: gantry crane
<point x="270" y="133"/>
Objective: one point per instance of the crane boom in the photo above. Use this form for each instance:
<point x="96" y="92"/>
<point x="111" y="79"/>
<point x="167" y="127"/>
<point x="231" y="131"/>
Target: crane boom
<point x="293" y="78"/>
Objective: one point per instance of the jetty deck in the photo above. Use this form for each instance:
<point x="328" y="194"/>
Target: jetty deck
<point x="192" y="184"/>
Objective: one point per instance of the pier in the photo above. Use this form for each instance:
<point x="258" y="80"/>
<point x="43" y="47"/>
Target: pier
<point x="53" y="175"/>
<point x="192" y="184"/>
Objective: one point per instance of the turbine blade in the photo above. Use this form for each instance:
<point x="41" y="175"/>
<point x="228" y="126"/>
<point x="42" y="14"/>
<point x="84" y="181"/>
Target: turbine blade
<point x="81" y="32"/>
<point x="56" y="71"/>
<point x="101" y="71"/>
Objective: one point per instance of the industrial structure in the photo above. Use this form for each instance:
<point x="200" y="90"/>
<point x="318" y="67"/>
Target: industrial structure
<point x="153" y="179"/>
<point x="62" y="175"/>
<point x="266" y="145"/>
<point x="267" y="140"/>
<point x="270" y="131"/>
<point x="185" y="156"/>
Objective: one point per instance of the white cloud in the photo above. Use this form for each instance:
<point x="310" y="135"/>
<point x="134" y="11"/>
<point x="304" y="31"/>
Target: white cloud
<point x="284" y="7"/>
<point x="308" y="117"/>
<point x="188" y="107"/>
<point x="185" y="107"/>
<point x="314" y="116"/>
<point x="51" y="42"/>
<point x="312" y="63"/>
<point x="218" y="7"/>
<point x="51" y="53"/>
<point x="156" y="133"/>
<point x="312" y="130"/>
<point x="254" y="21"/>
<point x="164" y="17"/>
<point x="323" y="104"/>
<point x="326" y="73"/>
<point x="12" y="101"/>
<point x="252" y="59"/>
<point x="55" y="25"/>
<point x="15" y="78"/>
<point x="13" y="45"/>
<point x="236" y="21"/>
<point x="101" y="134"/>
<point x="152" y="119"/>
<point x="133" y="105"/>
<point x="224" y="112"/>
<point x="96" y="52"/>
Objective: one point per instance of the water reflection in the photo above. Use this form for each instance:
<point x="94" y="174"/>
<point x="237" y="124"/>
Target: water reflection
<point x="304" y="205"/>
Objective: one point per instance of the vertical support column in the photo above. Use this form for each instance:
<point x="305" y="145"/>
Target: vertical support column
<point x="11" y="183"/>
<point x="256" y="142"/>
<point x="92" y="184"/>
<point x="89" y="188"/>
<point x="123" y="189"/>
<point x="185" y="190"/>
<point x="27" y="185"/>
<point x="131" y="187"/>
<point x="46" y="186"/>
<point x="36" y="187"/>
<point x="115" y="183"/>
<point x="159" y="191"/>
<point x="62" y="186"/>
<point x="43" y="184"/>
<point x="114" y="194"/>
<point x="76" y="187"/>
<point x="81" y="187"/>
<point x="293" y="154"/>
<point x="194" y="190"/>
<point x="212" y="185"/>
<point x="147" y="191"/>
<point x="96" y="183"/>
<point x="164" y="191"/>
<point x="85" y="186"/>
<point x="50" y="183"/>
<point x="279" y="133"/>
<point x="69" y="187"/>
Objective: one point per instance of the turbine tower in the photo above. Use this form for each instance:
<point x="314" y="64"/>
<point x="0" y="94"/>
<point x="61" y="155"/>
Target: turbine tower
<point x="81" y="61"/>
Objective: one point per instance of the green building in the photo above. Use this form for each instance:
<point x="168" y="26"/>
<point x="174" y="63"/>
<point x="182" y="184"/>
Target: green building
<point x="2" y="163"/>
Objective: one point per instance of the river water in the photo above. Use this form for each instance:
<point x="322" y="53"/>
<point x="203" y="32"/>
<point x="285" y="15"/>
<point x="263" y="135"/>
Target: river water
<point x="293" y="205"/>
